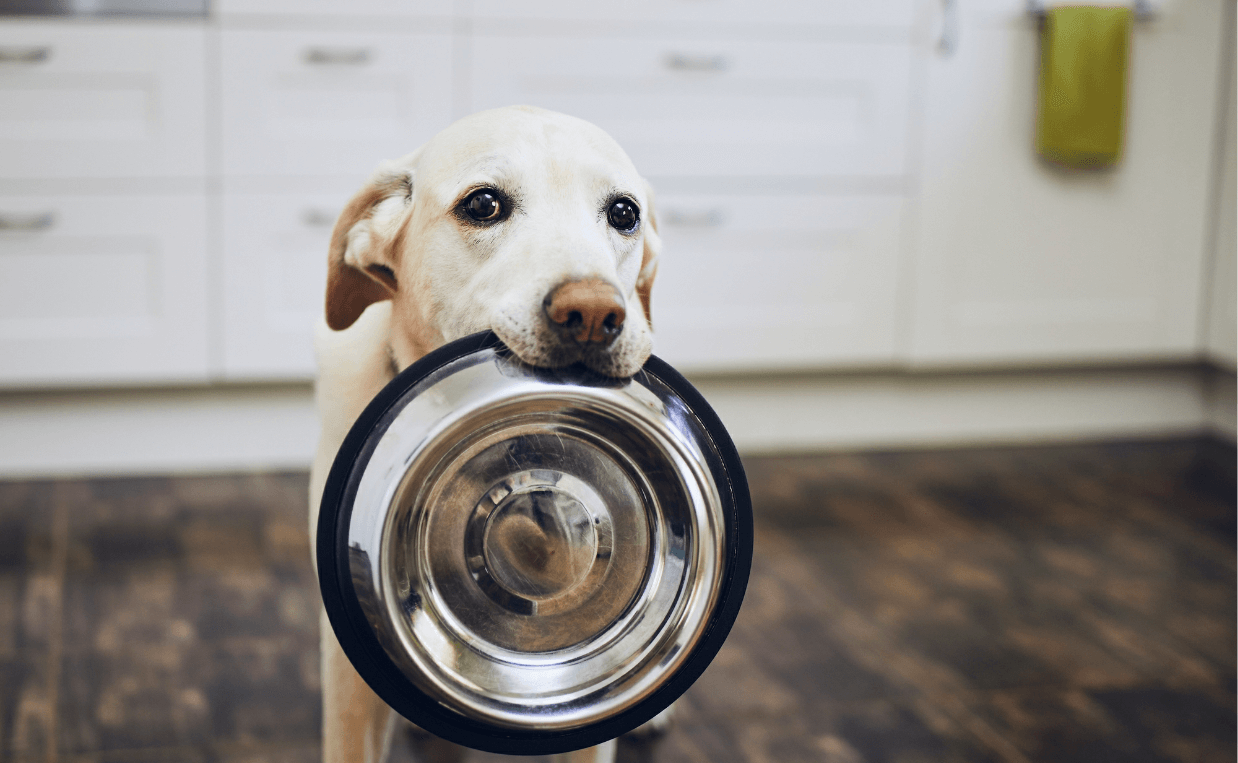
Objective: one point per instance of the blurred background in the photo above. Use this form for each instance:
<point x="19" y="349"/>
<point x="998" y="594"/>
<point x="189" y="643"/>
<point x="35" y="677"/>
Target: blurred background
<point x="914" y="327"/>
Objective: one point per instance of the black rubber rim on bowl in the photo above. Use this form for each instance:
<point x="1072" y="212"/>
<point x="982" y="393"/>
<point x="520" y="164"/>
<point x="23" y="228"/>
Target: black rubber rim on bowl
<point x="389" y="683"/>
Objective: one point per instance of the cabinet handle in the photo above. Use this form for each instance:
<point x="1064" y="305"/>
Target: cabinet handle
<point x="24" y="222"/>
<point x="318" y="218"/>
<point x="949" y="40"/>
<point x="337" y="56"/>
<point x="32" y="55"/>
<point x="1143" y="9"/>
<point x="704" y="218"/>
<point x="688" y="62"/>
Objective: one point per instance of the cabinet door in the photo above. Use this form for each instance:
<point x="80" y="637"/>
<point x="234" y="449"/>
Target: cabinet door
<point x="1220" y="340"/>
<point x="892" y="13"/>
<point x="101" y="100"/>
<point x="751" y="282"/>
<point x="332" y="103"/>
<point x="102" y="289"/>
<point x="683" y="107"/>
<point x="1018" y="261"/>
<point x="275" y="274"/>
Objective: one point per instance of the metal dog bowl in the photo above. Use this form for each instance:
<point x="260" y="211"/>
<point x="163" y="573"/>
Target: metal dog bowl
<point x="531" y="561"/>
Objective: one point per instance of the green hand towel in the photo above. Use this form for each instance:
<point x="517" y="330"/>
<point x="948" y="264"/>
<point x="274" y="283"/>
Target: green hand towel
<point x="1083" y="59"/>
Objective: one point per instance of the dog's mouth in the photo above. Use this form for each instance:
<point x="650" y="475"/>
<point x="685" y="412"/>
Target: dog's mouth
<point x="618" y="359"/>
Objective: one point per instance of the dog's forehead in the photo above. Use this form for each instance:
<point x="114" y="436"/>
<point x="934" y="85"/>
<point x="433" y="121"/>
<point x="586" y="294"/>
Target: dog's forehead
<point x="524" y="145"/>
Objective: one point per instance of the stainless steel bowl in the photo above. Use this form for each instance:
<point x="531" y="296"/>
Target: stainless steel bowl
<point x="530" y="561"/>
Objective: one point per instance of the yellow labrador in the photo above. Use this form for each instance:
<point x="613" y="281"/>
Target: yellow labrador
<point x="527" y="222"/>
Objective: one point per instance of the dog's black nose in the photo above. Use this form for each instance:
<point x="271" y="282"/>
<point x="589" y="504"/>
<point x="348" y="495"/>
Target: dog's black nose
<point x="590" y="310"/>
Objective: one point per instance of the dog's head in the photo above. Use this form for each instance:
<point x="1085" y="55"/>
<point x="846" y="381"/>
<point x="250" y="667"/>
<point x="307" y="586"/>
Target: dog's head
<point x="527" y="222"/>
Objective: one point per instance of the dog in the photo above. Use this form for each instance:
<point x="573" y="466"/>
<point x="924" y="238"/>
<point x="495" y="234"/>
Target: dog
<point x="523" y="221"/>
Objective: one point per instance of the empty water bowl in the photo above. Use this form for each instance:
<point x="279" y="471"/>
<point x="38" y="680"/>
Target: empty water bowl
<point x="527" y="560"/>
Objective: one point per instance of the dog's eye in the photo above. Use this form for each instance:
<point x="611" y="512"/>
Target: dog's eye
<point x="484" y="206"/>
<point x="623" y="216"/>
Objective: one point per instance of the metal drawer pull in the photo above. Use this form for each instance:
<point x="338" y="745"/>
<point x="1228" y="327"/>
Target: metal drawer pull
<point x="318" y="218"/>
<point x="1143" y="9"/>
<point x="337" y="56"/>
<point x="685" y="62"/>
<point x="707" y="218"/>
<point x="32" y="55"/>
<point x="949" y="39"/>
<point x="36" y="221"/>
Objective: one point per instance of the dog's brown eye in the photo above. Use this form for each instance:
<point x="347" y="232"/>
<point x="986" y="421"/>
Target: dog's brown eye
<point x="623" y="216"/>
<point x="484" y="206"/>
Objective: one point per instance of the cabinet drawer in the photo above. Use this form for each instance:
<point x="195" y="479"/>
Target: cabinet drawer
<point x="101" y="100"/>
<point x="102" y="289"/>
<point x="297" y="103"/>
<point x="692" y="108"/>
<point x="749" y="282"/>
<point x="893" y="13"/>
<point x="275" y="275"/>
<point x="353" y="8"/>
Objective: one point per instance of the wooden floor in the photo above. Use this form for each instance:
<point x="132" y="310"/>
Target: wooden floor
<point x="1041" y="604"/>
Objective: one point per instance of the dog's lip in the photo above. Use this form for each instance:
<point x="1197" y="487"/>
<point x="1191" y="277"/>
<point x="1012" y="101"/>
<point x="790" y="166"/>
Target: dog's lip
<point x="597" y="359"/>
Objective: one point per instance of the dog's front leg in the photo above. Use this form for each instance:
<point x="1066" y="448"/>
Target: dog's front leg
<point x="354" y="720"/>
<point x="353" y="366"/>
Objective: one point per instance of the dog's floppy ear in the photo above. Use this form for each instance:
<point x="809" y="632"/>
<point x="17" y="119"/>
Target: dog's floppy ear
<point x="649" y="258"/>
<point x="361" y="262"/>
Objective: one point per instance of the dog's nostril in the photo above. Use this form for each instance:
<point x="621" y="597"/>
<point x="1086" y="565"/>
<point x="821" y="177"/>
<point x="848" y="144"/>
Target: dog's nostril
<point x="590" y="311"/>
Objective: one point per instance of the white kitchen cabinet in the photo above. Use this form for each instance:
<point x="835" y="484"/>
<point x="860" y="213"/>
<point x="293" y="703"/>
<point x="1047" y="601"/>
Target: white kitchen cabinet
<point x="275" y="273"/>
<point x="334" y="8"/>
<point x="760" y="282"/>
<point x="693" y="108"/>
<point x="102" y="100"/>
<point x="329" y="103"/>
<point x="1220" y="340"/>
<point x="103" y="289"/>
<point x="1019" y="262"/>
<point x="833" y="191"/>
<point x="888" y="13"/>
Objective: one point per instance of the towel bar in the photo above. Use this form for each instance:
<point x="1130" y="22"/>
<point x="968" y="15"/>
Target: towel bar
<point x="1142" y="8"/>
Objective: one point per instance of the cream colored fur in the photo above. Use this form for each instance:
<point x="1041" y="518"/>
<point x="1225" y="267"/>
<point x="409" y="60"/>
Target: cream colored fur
<point x="452" y="279"/>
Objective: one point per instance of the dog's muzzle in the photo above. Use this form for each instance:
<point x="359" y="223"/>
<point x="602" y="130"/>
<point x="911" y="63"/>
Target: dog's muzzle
<point x="530" y="561"/>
